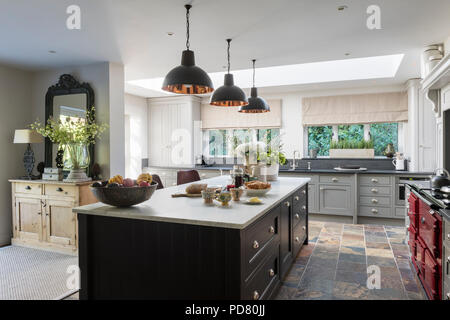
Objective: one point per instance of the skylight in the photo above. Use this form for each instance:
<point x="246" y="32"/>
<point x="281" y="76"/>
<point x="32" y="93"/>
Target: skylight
<point x="316" y="72"/>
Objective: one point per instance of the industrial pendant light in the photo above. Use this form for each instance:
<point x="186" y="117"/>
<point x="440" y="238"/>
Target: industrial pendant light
<point x="229" y="95"/>
<point x="187" y="78"/>
<point x="255" y="104"/>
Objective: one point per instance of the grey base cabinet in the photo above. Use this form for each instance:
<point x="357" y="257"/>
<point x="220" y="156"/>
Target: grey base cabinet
<point x="335" y="199"/>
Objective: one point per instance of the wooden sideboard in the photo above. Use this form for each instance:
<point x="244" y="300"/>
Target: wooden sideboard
<point x="42" y="214"/>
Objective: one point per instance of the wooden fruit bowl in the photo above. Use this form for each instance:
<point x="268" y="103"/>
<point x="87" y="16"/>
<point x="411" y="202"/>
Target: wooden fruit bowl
<point x="124" y="196"/>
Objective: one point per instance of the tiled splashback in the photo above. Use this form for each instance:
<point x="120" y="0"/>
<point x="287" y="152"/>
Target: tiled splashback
<point x="324" y="163"/>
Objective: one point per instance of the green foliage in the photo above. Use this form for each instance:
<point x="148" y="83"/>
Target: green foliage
<point x="82" y="131"/>
<point x="319" y="138"/>
<point x="353" y="132"/>
<point x="352" y="144"/>
<point x="383" y="134"/>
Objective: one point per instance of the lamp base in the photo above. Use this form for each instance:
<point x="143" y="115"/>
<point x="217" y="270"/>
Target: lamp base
<point x="29" y="177"/>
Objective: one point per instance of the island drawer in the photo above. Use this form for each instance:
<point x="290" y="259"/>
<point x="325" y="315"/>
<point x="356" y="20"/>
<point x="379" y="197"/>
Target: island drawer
<point x="375" y="191"/>
<point x="259" y="238"/>
<point x="374" y="180"/>
<point x="60" y="190"/>
<point x="299" y="197"/>
<point x="28" y="188"/>
<point x="263" y="280"/>
<point x="298" y="214"/>
<point x="375" y="201"/>
<point x="341" y="178"/>
<point x="299" y="236"/>
<point x="370" y="211"/>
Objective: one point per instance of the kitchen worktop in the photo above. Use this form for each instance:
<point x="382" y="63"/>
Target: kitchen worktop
<point x="393" y="172"/>
<point x="162" y="207"/>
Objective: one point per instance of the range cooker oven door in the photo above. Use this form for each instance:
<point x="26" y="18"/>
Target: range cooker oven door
<point x="430" y="229"/>
<point x="431" y="277"/>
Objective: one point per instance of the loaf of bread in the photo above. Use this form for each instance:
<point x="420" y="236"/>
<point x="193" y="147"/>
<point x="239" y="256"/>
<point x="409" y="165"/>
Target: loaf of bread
<point x="195" y="188"/>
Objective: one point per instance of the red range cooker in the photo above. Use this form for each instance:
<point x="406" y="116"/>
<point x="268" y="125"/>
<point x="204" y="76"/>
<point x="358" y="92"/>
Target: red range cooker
<point x="425" y="242"/>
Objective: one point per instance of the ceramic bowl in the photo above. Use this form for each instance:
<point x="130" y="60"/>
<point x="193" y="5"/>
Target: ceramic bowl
<point x="124" y="196"/>
<point x="256" y="192"/>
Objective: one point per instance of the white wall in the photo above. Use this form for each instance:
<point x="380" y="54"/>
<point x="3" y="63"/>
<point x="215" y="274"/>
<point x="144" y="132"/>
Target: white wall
<point x="15" y="104"/>
<point x="107" y="81"/>
<point x="136" y="140"/>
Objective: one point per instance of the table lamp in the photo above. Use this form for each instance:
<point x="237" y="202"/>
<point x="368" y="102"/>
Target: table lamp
<point x="28" y="136"/>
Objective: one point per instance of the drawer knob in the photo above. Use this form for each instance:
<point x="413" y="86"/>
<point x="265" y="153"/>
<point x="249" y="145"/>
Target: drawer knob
<point x="304" y="227"/>
<point x="297" y="239"/>
<point x="374" y="201"/>
<point x="374" y="190"/>
<point x="272" y="229"/>
<point x="304" y="207"/>
<point x="304" y="191"/>
<point x="255" y="244"/>
<point x="27" y="188"/>
<point x="374" y="211"/>
<point x="60" y="189"/>
<point x="374" y="180"/>
<point x="271" y="272"/>
<point x="448" y="236"/>
<point x="448" y="296"/>
<point x="297" y="216"/>
<point x="335" y="179"/>
<point x="297" y="198"/>
<point x="255" y="295"/>
<point x="287" y="204"/>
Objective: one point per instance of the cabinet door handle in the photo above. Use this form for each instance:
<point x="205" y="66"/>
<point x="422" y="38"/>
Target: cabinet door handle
<point x="374" y="201"/>
<point x="448" y="296"/>
<point x="272" y="229"/>
<point x="374" y="211"/>
<point x="287" y="204"/>
<point x="335" y="179"/>
<point x="60" y="189"/>
<point x="304" y="191"/>
<point x="27" y="188"/>
<point x="303" y="207"/>
<point x="297" y="198"/>
<point x="297" y="216"/>
<point x="255" y="244"/>
<point x="374" y="180"/>
<point x="255" y="295"/>
<point x="448" y="236"/>
<point x="374" y="190"/>
<point x="304" y="227"/>
<point x="297" y="239"/>
<point x="271" y="272"/>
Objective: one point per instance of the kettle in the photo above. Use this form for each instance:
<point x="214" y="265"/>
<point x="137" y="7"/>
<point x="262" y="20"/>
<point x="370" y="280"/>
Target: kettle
<point x="439" y="181"/>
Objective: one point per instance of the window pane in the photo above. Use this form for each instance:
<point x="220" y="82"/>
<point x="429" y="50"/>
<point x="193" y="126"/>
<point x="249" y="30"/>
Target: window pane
<point x="319" y="138"/>
<point x="353" y="132"/>
<point x="218" y="143"/>
<point x="383" y="134"/>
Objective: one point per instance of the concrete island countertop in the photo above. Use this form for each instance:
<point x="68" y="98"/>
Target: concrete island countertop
<point x="162" y="207"/>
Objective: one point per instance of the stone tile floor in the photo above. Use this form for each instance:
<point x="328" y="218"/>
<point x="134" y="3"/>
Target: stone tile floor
<point x="333" y="266"/>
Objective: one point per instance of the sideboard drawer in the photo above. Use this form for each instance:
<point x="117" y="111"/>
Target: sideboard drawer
<point x="375" y="190"/>
<point x="60" y="190"/>
<point x="375" y="201"/>
<point x="262" y="281"/>
<point x="335" y="179"/>
<point x="374" y="180"/>
<point x="29" y="188"/>
<point x="367" y="211"/>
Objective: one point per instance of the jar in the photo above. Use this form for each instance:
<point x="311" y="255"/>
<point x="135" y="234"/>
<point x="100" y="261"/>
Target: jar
<point x="238" y="176"/>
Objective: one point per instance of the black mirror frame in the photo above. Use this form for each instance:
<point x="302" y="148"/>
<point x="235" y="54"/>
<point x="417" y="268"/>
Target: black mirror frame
<point x="67" y="85"/>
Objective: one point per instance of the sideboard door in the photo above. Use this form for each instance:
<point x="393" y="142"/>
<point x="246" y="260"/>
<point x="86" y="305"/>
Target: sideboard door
<point x="60" y="222"/>
<point x="28" y="222"/>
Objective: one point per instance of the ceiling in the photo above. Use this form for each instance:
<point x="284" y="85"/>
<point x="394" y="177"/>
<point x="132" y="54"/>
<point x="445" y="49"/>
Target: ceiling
<point x="281" y="32"/>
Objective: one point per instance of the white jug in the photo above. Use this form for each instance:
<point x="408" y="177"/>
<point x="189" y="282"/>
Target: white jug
<point x="399" y="164"/>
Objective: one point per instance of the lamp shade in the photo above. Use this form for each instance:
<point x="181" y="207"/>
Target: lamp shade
<point x="27" y="136"/>
<point x="229" y="95"/>
<point x="187" y="78"/>
<point x="255" y="104"/>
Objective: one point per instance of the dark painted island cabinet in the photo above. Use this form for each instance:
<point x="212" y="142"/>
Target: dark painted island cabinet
<point x="123" y="258"/>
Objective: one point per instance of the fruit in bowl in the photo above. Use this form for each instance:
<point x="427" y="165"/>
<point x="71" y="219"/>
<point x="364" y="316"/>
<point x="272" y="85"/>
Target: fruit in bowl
<point x="120" y="192"/>
<point x="257" y="188"/>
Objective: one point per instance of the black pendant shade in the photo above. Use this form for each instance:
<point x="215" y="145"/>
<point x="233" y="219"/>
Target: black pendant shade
<point x="229" y="95"/>
<point x="255" y="104"/>
<point x="187" y="78"/>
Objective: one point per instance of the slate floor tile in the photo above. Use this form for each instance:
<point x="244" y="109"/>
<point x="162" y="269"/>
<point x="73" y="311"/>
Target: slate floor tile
<point x="378" y="245"/>
<point x="351" y="277"/>
<point x="350" y="291"/>
<point x="353" y="250"/>
<point x="385" y="253"/>
<point x="356" y="258"/>
<point x="312" y="284"/>
<point x="351" y="266"/>
<point x="380" y="261"/>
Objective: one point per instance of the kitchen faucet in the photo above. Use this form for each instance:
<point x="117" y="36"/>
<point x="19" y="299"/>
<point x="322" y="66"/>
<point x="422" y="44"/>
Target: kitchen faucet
<point x="293" y="161"/>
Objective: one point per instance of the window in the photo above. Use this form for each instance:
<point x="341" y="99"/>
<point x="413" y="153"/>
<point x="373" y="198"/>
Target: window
<point x="381" y="133"/>
<point x="223" y="142"/>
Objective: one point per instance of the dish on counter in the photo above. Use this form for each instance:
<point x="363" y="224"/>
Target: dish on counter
<point x="253" y="201"/>
<point x="257" y="188"/>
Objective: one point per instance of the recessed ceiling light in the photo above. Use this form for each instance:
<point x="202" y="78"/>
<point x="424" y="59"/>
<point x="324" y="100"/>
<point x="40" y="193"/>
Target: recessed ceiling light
<point x="51" y="51"/>
<point x="316" y="72"/>
<point x="342" y="8"/>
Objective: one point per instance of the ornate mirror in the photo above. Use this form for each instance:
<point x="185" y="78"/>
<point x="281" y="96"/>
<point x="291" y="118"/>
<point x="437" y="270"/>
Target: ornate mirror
<point x="67" y="98"/>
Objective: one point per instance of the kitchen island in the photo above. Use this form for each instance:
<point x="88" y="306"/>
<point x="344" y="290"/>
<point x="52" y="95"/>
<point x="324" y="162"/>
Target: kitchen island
<point x="179" y="248"/>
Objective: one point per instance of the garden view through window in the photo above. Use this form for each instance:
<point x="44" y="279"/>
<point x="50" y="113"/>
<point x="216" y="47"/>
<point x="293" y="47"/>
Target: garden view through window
<point x="382" y="134"/>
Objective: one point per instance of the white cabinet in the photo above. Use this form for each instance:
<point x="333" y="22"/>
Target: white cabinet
<point x="172" y="124"/>
<point x="427" y="137"/>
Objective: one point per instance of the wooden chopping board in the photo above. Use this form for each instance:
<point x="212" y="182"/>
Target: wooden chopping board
<point x="187" y="195"/>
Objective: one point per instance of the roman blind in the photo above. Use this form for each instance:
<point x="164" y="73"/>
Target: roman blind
<point x="355" y="109"/>
<point x="229" y="117"/>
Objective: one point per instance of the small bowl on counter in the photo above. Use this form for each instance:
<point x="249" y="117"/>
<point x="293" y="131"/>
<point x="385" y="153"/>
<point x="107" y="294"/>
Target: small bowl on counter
<point x="124" y="196"/>
<point x="256" y="192"/>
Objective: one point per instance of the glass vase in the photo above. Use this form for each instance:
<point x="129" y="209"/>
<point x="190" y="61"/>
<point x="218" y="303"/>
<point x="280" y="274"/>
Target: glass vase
<point x="76" y="156"/>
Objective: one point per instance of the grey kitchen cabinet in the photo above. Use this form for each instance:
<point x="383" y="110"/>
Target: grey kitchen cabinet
<point x="313" y="198"/>
<point x="336" y="199"/>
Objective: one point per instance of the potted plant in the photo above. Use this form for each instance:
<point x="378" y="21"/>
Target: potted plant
<point x="273" y="157"/>
<point x="352" y="149"/>
<point x="74" y="137"/>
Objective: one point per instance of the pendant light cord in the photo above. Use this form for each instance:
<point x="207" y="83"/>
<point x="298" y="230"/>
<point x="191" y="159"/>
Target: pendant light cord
<point x="228" y="52"/>
<point x="187" y="25"/>
<point x="254" y="72"/>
